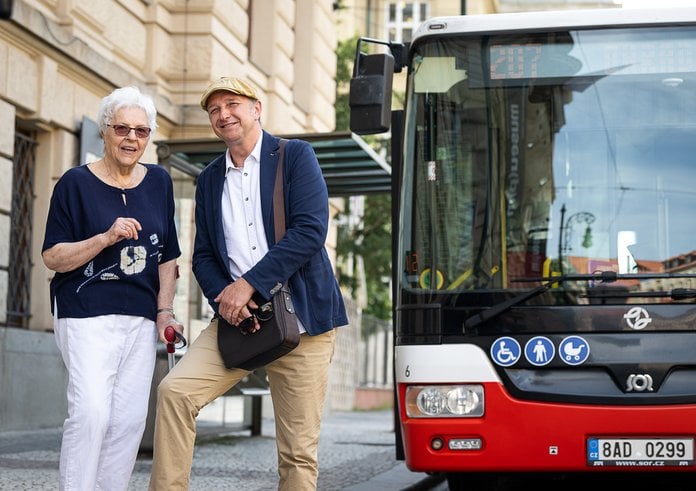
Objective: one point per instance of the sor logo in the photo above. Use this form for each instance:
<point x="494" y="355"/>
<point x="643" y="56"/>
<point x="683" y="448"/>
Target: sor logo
<point x="639" y="383"/>
<point x="637" y="318"/>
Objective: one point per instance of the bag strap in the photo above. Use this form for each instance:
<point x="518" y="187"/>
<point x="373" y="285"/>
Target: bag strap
<point x="278" y="199"/>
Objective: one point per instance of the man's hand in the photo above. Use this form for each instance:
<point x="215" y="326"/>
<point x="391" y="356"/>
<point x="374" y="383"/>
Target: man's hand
<point x="234" y="303"/>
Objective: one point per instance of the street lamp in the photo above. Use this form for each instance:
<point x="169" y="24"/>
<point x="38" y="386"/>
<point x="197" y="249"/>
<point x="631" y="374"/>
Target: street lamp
<point x="579" y="218"/>
<point x="566" y="231"/>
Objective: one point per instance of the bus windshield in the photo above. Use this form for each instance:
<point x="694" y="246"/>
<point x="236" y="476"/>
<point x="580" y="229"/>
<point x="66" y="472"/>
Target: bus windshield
<point x="547" y="154"/>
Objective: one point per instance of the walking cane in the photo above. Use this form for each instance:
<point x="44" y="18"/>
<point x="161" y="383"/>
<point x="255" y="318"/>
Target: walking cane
<point x="172" y="336"/>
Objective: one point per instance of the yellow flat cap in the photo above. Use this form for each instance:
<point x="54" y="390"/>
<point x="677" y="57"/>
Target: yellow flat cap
<point x="229" y="84"/>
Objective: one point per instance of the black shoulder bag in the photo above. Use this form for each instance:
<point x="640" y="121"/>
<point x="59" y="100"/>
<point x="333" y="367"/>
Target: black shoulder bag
<point x="279" y="333"/>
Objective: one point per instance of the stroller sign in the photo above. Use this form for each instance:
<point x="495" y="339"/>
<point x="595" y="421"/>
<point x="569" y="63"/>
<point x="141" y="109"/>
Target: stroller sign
<point x="574" y="350"/>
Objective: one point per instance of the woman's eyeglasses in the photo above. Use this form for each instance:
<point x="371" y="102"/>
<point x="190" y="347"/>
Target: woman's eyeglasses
<point x="123" y="130"/>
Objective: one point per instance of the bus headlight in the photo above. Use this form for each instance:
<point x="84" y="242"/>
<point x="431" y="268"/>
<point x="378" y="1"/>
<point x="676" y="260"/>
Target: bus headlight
<point x="444" y="401"/>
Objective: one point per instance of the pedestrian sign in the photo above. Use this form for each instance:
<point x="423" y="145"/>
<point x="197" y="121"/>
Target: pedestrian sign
<point x="539" y="351"/>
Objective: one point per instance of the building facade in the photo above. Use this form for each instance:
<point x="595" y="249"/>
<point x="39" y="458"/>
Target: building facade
<point x="395" y="20"/>
<point x="58" y="58"/>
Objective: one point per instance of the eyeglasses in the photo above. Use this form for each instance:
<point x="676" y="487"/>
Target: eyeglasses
<point x="263" y="313"/>
<point x="122" y="130"/>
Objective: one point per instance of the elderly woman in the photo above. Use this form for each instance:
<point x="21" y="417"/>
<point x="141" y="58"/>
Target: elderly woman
<point x="111" y="239"/>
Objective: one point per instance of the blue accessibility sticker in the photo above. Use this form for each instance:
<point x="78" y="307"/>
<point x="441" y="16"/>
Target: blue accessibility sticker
<point x="506" y="351"/>
<point x="539" y="351"/>
<point x="574" y="350"/>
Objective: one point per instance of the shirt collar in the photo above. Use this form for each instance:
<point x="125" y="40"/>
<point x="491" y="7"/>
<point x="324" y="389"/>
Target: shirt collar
<point x="254" y="156"/>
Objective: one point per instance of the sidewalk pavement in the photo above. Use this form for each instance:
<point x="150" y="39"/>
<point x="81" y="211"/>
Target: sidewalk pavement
<point x="356" y="453"/>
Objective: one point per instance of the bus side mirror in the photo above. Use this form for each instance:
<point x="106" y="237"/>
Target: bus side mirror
<point x="371" y="93"/>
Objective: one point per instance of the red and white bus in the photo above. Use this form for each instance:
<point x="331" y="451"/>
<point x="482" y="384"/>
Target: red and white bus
<point x="544" y="172"/>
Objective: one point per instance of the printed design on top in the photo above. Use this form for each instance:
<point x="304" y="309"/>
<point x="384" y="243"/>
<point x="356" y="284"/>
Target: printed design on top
<point x="132" y="261"/>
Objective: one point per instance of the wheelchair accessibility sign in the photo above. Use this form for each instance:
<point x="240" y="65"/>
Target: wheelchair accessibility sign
<point x="574" y="350"/>
<point x="506" y="351"/>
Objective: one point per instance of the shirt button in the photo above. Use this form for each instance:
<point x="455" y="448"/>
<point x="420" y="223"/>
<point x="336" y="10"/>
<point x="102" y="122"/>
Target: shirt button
<point x="246" y="199"/>
<point x="251" y="223"/>
<point x="253" y="248"/>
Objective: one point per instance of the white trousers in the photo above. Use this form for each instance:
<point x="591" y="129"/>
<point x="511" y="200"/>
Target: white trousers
<point x="110" y="361"/>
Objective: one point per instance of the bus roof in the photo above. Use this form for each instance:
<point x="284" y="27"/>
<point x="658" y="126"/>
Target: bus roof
<point x="552" y="20"/>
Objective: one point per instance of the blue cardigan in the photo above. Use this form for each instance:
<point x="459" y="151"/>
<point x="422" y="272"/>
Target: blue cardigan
<point x="299" y="258"/>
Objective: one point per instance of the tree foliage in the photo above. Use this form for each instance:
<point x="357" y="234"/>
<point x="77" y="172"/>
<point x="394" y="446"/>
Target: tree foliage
<point x="345" y="54"/>
<point x="364" y="247"/>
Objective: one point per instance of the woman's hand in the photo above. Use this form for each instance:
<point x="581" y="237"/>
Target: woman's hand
<point x="165" y="319"/>
<point x="123" y="228"/>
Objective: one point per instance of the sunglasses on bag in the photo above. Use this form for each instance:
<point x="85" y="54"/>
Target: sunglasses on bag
<point x="123" y="130"/>
<point x="263" y="313"/>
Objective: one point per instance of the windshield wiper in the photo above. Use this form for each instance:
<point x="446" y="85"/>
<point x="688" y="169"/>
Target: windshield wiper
<point x="675" y="294"/>
<point x="600" y="276"/>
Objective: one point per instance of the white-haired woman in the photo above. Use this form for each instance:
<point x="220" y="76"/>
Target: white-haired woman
<point x="111" y="240"/>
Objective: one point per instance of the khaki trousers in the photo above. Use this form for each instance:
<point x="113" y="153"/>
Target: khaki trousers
<point x="298" y="383"/>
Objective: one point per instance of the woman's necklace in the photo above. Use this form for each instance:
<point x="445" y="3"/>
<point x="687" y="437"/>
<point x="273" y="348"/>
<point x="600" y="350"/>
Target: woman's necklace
<point x="123" y="188"/>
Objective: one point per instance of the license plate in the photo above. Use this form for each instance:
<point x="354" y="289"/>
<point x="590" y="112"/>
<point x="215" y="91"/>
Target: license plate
<point x="640" y="452"/>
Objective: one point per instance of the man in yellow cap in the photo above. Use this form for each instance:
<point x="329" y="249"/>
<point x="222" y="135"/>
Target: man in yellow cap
<point x="235" y="256"/>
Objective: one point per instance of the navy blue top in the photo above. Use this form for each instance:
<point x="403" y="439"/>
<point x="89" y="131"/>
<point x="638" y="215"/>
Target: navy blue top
<point x="124" y="277"/>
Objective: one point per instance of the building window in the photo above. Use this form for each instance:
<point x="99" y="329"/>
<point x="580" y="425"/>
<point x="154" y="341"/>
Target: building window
<point x="402" y="19"/>
<point x="19" y="273"/>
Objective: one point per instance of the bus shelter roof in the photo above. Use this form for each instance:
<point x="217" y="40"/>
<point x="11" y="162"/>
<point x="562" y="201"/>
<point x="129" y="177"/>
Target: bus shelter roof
<point x="350" y="166"/>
